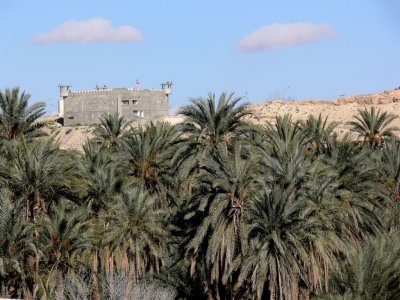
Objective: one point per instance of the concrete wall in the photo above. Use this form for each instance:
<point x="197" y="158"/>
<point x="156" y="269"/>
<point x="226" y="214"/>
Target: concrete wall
<point x="85" y="107"/>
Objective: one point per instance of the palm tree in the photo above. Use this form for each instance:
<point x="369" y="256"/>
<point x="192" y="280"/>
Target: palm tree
<point x="391" y="166"/>
<point x="102" y="177"/>
<point x="62" y="238"/>
<point x="283" y="154"/>
<point x="369" y="272"/>
<point x="389" y="169"/>
<point x="111" y="130"/>
<point x="15" y="272"/>
<point x="136" y="235"/>
<point x="38" y="173"/>
<point x="358" y="186"/>
<point x="207" y="124"/>
<point x="373" y="126"/>
<point x="225" y="185"/>
<point x="285" y="165"/>
<point x="285" y="130"/>
<point x="17" y="119"/>
<point x="148" y="152"/>
<point x="318" y="133"/>
<point x="211" y="121"/>
<point x="289" y="248"/>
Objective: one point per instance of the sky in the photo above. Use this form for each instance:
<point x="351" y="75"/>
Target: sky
<point x="258" y="49"/>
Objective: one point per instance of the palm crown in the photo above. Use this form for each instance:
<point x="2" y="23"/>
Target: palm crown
<point x="215" y="122"/>
<point x="17" y="119"/>
<point x="374" y="125"/>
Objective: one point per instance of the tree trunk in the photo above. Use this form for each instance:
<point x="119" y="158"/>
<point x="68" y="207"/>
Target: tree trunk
<point x="133" y="274"/>
<point x="294" y="287"/>
<point x="95" y="269"/>
<point x="132" y="280"/>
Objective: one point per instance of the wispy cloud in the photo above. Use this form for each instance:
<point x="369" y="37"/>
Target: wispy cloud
<point x="277" y="36"/>
<point x="96" y="30"/>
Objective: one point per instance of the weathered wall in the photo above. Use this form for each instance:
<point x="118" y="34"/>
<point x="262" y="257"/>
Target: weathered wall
<point x="85" y="107"/>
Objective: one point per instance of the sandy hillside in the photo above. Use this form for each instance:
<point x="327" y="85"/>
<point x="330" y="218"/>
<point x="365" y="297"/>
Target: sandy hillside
<point x="341" y="110"/>
<point x="72" y="137"/>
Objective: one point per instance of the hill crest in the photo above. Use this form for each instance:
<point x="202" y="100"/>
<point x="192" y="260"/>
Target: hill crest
<point x="341" y="110"/>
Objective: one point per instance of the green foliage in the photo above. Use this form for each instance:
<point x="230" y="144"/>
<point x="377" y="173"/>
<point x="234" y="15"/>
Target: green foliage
<point x="211" y="121"/>
<point x="318" y="133"/>
<point x="136" y="233"/>
<point x="149" y="150"/>
<point x="61" y="236"/>
<point x="374" y="126"/>
<point x="111" y="130"/>
<point x="213" y="208"/>
<point x="371" y="271"/>
<point x="38" y="173"/>
<point x="17" y="119"/>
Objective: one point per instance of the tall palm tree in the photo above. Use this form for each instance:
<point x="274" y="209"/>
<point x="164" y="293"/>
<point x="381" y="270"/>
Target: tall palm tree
<point x="137" y="235"/>
<point x="17" y="119"/>
<point x="358" y="187"/>
<point x="111" y="130"/>
<point x="288" y="243"/>
<point x="212" y="121"/>
<point x="15" y="272"/>
<point x="226" y="183"/>
<point x="62" y="238"/>
<point x="208" y="122"/>
<point x="38" y="173"/>
<point x="102" y="177"/>
<point x="148" y="152"/>
<point x="374" y="126"/>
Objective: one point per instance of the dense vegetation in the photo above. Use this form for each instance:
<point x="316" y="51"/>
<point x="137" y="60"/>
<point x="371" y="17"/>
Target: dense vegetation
<point x="213" y="208"/>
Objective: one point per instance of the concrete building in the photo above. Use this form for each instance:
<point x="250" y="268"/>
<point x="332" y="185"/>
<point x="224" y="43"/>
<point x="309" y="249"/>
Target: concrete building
<point x="140" y="105"/>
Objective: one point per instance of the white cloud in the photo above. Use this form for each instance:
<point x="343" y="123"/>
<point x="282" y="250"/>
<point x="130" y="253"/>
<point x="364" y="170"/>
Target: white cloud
<point x="277" y="36"/>
<point x="96" y="30"/>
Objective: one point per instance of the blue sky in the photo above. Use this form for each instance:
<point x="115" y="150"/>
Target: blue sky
<point x="297" y="49"/>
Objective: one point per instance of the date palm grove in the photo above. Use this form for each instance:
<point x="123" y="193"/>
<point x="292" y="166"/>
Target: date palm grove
<point x="211" y="208"/>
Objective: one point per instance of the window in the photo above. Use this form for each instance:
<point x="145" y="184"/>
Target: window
<point x="138" y="113"/>
<point x="125" y="102"/>
<point x="134" y="102"/>
<point x="71" y="117"/>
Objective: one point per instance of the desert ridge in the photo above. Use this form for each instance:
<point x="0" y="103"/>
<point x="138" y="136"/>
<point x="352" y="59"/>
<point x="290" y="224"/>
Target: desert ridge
<point x="341" y="110"/>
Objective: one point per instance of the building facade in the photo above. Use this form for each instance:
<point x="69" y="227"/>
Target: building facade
<point x="139" y="105"/>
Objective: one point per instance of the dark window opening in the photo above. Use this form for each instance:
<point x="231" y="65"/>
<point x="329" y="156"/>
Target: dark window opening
<point x="138" y="113"/>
